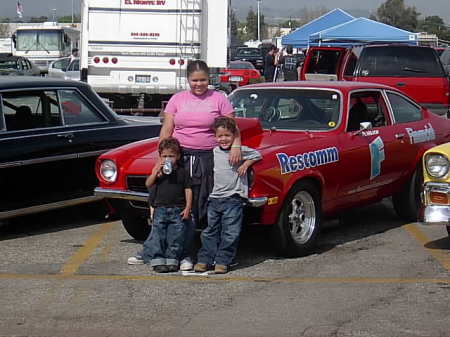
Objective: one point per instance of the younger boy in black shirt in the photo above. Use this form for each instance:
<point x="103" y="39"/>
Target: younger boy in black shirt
<point x="172" y="202"/>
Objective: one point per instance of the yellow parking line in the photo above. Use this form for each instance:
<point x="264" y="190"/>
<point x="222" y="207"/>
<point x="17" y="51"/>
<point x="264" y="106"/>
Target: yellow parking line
<point x="81" y="256"/>
<point x="440" y="255"/>
<point x="237" y="279"/>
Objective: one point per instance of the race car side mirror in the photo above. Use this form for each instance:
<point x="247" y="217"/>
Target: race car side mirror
<point x="363" y="126"/>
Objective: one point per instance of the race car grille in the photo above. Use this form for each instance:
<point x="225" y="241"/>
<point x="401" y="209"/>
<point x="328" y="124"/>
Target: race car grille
<point x="136" y="183"/>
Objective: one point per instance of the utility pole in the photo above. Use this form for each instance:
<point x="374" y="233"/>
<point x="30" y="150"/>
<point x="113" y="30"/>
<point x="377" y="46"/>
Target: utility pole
<point x="72" y="11"/>
<point x="259" y="20"/>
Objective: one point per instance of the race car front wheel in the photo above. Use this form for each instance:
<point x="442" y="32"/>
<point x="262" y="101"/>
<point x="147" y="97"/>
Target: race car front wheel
<point x="134" y="220"/>
<point x="299" y="222"/>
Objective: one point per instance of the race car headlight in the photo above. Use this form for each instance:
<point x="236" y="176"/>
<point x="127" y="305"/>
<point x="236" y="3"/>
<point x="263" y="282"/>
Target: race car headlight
<point x="437" y="165"/>
<point x="108" y="170"/>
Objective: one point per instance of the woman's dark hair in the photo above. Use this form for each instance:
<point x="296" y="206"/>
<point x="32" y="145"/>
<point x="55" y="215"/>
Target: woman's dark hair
<point x="169" y="143"/>
<point x="227" y="123"/>
<point x="197" y="65"/>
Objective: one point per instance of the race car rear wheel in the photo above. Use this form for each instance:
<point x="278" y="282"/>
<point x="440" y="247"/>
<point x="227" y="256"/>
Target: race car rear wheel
<point x="299" y="222"/>
<point x="407" y="202"/>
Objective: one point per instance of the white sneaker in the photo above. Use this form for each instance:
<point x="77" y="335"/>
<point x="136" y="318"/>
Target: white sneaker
<point x="186" y="264"/>
<point x="135" y="260"/>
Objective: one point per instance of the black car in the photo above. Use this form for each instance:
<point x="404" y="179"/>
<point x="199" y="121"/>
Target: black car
<point x="51" y="132"/>
<point x="17" y="66"/>
<point x="252" y="55"/>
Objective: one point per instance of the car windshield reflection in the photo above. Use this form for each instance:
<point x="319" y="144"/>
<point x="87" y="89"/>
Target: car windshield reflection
<point x="289" y="109"/>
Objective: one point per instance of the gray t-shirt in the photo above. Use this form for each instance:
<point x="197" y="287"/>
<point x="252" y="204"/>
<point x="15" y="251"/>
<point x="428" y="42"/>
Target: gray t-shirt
<point x="226" y="178"/>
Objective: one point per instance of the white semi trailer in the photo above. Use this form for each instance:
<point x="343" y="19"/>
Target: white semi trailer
<point x="135" y="52"/>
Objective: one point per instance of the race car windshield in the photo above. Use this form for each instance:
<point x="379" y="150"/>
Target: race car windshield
<point x="289" y="109"/>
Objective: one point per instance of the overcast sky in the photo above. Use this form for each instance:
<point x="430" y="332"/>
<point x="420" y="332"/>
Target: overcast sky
<point x="64" y="7"/>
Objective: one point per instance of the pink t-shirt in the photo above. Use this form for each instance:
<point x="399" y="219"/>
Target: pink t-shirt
<point x="194" y="117"/>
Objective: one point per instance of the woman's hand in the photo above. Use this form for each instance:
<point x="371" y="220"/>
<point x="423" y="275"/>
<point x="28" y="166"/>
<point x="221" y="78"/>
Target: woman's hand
<point x="235" y="155"/>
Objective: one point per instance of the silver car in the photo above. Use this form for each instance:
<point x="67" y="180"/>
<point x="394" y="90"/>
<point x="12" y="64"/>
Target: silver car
<point x="67" y="68"/>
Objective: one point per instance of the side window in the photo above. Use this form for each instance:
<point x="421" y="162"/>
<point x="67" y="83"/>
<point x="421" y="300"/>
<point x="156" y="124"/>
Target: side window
<point x="76" y="110"/>
<point x="61" y="64"/>
<point x="30" y="110"/>
<point x="403" y="110"/>
<point x="367" y="107"/>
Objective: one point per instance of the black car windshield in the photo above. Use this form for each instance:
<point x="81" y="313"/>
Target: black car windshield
<point x="289" y="109"/>
<point x="249" y="52"/>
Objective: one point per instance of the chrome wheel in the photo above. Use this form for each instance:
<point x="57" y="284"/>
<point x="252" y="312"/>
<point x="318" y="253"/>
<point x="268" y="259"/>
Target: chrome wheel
<point x="302" y="218"/>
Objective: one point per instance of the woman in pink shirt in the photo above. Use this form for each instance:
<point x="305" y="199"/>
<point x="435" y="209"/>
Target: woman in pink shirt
<point x="189" y="117"/>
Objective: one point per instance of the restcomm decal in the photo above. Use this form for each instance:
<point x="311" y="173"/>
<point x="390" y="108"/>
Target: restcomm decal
<point x="421" y="136"/>
<point x="301" y="161"/>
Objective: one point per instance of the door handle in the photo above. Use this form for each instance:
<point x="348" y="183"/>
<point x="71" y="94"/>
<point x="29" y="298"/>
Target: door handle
<point x="401" y="84"/>
<point x="68" y="135"/>
<point x="399" y="135"/>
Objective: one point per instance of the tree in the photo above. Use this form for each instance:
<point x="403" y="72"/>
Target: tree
<point x="252" y="25"/>
<point x="435" y="25"/>
<point x="234" y="32"/>
<point x="39" y="19"/>
<point x="395" y="13"/>
<point x="68" y="19"/>
<point x="292" y="24"/>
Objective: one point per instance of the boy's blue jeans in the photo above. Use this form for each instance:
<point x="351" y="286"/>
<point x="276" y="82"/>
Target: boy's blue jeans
<point x="220" y="239"/>
<point x="164" y="245"/>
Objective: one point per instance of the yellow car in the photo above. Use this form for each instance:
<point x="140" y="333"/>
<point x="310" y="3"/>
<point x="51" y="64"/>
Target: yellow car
<point x="436" y="187"/>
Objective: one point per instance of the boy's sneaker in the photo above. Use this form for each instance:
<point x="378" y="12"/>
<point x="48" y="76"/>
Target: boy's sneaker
<point x="200" y="267"/>
<point x="161" y="269"/>
<point x="173" y="268"/>
<point x="220" y="269"/>
<point x="186" y="264"/>
<point x="135" y="260"/>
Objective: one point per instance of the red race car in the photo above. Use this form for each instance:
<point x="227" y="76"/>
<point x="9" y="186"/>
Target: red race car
<point x="326" y="146"/>
<point x="240" y="73"/>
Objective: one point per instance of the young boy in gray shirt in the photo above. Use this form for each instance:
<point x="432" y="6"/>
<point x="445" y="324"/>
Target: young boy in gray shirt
<point x="225" y="205"/>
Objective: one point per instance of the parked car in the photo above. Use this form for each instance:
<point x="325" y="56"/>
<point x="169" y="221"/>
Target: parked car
<point x="252" y="55"/>
<point x="17" y="66"/>
<point x="436" y="187"/>
<point x="326" y="146"/>
<point x="239" y="73"/>
<point x="67" y="68"/>
<point x="417" y="71"/>
<point x="51" y="132"/>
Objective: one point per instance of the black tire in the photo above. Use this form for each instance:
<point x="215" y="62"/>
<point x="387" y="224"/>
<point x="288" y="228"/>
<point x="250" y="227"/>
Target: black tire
<point x="134" y="220"/>
<point x="136" y="226"/>
<point x="295" y="234"/>
<point x="407" y="202"/>
<point x="448" y="231"/>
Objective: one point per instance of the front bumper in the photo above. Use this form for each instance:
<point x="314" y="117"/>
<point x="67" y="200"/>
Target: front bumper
<point x="436" y="214"/>
<point x="141" y="196"/>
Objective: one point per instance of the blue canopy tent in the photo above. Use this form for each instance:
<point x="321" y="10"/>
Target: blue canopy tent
<point x="362" y="30"/>
<point x="299" y="38"/>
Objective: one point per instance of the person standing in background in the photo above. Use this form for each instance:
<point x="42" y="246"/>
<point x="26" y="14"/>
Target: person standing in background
<point x="270" y="64"/>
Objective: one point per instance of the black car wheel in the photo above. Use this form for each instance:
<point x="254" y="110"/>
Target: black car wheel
<point x="407" y="201"/>
<point x="134" y="220"/>
<point x="299" y="222"/>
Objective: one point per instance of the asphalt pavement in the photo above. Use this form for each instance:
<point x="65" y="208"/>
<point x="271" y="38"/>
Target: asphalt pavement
<point x="65" y="274"/>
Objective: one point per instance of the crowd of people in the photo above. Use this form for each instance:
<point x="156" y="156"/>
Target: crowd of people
<point x="282" y="63"/>
<point x="199" y="180"/>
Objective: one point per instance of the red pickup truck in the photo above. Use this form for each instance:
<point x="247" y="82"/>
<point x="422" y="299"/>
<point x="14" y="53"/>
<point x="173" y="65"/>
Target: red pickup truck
<point x="417" y="71"/>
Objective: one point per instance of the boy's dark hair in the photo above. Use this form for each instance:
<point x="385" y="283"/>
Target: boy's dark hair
<point x="289" y="49"/>
<point x="225" y="122"/>
<point x="169" y="143"/>
<point x="197" y="65"/>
